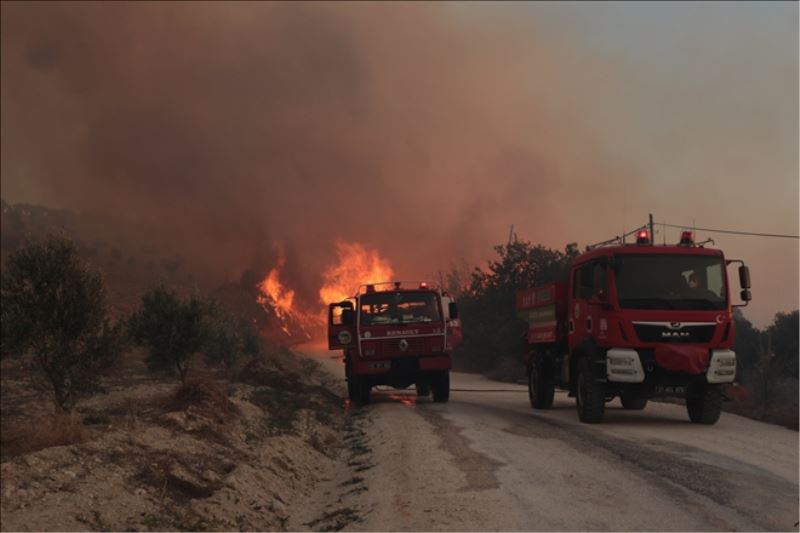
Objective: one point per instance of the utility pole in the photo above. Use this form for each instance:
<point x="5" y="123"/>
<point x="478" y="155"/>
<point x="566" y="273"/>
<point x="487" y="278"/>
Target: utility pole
<point x="652" y="232"/>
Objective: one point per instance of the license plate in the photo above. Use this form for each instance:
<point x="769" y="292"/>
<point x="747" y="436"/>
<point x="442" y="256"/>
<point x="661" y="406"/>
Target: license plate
<point x="661" y="389"/>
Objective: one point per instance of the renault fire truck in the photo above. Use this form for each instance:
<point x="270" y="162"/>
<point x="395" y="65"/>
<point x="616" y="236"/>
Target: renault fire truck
<point x="397" y="334"/>
<point x="635" y="321"/>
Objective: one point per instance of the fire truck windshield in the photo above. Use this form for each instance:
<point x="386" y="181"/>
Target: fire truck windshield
<point x="398" y="308"/>
<point x="670" y="281"/>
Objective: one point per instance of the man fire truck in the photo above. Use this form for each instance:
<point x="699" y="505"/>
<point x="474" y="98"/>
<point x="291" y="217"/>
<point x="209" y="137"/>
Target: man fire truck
<point x="395" y="333"/>
<point x="635" y="321"/>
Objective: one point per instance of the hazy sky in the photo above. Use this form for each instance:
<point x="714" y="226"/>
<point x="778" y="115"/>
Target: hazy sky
<point x="423" y="130"/>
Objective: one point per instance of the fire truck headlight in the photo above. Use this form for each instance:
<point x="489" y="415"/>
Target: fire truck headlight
<point x="624" y="365"/>
<point x="722" y="367"/>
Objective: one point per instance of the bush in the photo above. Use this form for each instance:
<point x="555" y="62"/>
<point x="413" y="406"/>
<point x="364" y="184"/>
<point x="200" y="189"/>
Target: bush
<point x="202" y="393"/>
<point x="173" y="328"/>
<point x="251" y="344"/>
<point x="224" y="343"/>
<point x="54" y="307"/>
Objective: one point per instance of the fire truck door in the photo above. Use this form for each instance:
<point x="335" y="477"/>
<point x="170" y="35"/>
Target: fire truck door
<point x="588" y="289"/>
<point x="341" y="325"/>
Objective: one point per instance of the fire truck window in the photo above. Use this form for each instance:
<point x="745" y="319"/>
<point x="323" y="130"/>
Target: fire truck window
<point x="598" y="279"/>
<point x="336" y="316"/>
<point x="670" y="281"/>
<point x="584" y="281"/>
<point x="400" y="307"/>
<point x="714" y="281"/>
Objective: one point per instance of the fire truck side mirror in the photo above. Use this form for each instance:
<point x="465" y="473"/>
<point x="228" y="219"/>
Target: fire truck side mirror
<point x="746" y="295"/>
<point x="348" y="317"/>
<point x="452" y="310"/>
<point x="744" y="279"/>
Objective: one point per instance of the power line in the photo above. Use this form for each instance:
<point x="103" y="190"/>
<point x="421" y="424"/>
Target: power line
<point x="732" y="232"/>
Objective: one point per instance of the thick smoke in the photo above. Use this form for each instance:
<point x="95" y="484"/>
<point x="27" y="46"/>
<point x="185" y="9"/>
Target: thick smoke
<point x="238" y="126"/>
<point x="418" y="129"/>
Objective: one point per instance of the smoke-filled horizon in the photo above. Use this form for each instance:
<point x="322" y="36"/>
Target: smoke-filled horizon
<point x="420" y="130"/>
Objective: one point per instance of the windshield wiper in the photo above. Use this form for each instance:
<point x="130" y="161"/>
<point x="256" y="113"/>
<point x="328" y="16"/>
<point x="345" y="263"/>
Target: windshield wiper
<point x="647" y="303"/>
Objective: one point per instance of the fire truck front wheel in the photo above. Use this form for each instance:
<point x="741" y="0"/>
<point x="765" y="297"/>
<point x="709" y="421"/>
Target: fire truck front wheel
<point x="440" y="385"/>
<point x="541" y="386"/>
<point x="357" y="390"/>
<point x="704" y="404"/>
<point x="590" y="394"/>
<point x="360" y="391"/>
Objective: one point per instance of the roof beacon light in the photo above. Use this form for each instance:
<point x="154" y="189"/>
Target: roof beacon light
<point x="397" y="285"/>
<point x="687" y="238"/>
<point x="642" y="237"/>
<point x="423" y="285"/>
<point x="370" y="288"/>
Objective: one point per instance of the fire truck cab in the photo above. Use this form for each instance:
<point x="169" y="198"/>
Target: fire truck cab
<point x="635" y="321"/>
<point x="397" y="334"/>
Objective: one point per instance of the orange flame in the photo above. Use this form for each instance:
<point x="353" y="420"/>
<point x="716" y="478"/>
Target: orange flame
<point x="280" y="297"/>
<point x="274" y="293"/>
<point x="358" y="265"/>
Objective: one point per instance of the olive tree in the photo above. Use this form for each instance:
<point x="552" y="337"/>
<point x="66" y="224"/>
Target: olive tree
<point x="173" y="328"/>
<point x="224" y="343"/>
<point x="54" y="308"/>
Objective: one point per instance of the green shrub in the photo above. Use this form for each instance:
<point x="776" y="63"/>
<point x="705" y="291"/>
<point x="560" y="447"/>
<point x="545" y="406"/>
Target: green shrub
<point x="224" y="343"/>
<point x="173" y="328"/>
<point x="54" y="308"/>
<point x="251" y="344"/>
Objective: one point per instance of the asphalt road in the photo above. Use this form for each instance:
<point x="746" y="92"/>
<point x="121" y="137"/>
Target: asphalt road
<point x="487" y="461"/>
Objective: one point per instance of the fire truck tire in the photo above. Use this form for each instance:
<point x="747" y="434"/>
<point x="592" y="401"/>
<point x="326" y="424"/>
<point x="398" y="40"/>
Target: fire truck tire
<point x="362" y="392"/>
<point x="590" y="394"/>
<point x="704" y="406"/>
<point x="352" y="390"/>
<point x="632" y="403"/>
<point x="423" y="389"/>
<point x="440" y="385"/>
<point x="541" y="387"/>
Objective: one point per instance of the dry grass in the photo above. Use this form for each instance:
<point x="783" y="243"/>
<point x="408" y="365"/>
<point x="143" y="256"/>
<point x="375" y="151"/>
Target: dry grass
<point x="204" y="394"/>
<point x="18" y="438"/>
<point x="261" y="372"/>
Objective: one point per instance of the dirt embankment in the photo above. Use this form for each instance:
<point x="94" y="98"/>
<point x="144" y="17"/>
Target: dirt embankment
<point x="219" y="454"/>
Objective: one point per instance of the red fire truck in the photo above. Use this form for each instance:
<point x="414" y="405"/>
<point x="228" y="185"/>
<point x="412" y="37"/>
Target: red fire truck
<point x="635" y="321"/>
<point x="396" y="333"/>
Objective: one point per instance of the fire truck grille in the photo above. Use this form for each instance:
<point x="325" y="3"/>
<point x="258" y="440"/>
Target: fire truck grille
<point x="394" y="347"/>
<point x="687" y="333"/>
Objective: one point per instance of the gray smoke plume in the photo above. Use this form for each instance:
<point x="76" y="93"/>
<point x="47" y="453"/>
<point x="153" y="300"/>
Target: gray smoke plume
<point x="422" y="130"/>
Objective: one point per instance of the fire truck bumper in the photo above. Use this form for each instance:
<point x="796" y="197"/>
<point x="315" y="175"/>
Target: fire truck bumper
<point x="413" y="364"/>
<point x="624" y="365"/>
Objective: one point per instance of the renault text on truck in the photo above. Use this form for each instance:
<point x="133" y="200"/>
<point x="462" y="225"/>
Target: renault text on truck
<point x="635" y="321"/>
<point x="397" y="334"/>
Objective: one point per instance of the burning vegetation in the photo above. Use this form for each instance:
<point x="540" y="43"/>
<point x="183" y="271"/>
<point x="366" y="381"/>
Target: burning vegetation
<point x="356" y="264"/>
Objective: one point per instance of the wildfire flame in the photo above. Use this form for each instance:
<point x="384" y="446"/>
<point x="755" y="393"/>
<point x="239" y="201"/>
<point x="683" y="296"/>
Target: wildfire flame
<point x="279" y="297"/>
<point x="357" y="265"/>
